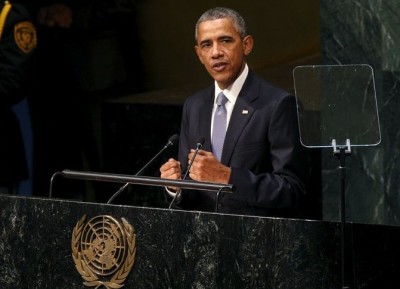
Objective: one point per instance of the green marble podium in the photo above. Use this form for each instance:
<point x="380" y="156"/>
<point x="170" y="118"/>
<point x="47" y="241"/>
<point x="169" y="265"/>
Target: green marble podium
<point x="181" y="249"/>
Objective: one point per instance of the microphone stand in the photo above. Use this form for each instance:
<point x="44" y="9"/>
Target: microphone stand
<point x="172" y="141"/>
<point x="199" y="145"/>
<point x="137" y="174"/>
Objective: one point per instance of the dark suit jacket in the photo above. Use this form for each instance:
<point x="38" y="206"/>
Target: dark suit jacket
<point x="262" y="147"/>
<point x="16" y="64"/>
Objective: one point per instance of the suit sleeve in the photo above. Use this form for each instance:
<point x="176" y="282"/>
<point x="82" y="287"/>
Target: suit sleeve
<point x="17" y="44"/>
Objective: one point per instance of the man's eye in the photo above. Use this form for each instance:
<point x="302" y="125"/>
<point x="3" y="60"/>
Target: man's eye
<point x="226" y="40"/>
<point x="205" y="45"/>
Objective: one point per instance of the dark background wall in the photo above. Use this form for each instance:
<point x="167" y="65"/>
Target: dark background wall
<point x="285" y="32"/>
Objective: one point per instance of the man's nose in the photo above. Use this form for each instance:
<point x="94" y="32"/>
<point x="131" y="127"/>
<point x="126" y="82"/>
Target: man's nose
<point x="216" y="50"/>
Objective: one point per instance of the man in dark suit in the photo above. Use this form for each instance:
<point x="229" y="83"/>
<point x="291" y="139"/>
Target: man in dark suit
<point x="261" y="153"/>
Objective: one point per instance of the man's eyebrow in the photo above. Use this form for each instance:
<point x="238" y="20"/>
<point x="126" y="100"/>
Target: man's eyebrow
<point x="219" y="38"/>
<point x="225" y="36"/>
<point x="205" y="41"/>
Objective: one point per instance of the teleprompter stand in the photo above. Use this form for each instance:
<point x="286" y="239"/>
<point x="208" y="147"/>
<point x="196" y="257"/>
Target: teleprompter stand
<point x="336" y="103"/>
<point x="341" y="152"/>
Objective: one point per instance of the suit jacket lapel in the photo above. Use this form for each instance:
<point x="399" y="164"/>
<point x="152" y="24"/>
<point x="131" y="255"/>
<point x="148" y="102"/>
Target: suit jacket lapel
<point x="241" y="115"/>
<point x="205" y="121"/>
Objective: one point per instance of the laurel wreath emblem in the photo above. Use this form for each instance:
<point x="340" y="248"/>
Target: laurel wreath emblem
<point x="91" y="279"/>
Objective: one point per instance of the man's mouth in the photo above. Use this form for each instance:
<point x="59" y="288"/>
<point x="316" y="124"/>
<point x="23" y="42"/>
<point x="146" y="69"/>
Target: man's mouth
<point x="219" y="66"/>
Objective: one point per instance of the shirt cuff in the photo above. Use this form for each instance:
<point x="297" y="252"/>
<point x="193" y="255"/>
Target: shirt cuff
<point x="172" y="194"/>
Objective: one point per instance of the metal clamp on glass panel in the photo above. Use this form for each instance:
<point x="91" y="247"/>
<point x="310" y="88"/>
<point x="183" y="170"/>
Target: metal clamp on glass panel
<point x="336" y="149"/>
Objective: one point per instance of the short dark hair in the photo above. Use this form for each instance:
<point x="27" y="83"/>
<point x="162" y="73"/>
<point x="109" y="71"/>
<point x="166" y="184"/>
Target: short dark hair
<point x="223" y="12"/>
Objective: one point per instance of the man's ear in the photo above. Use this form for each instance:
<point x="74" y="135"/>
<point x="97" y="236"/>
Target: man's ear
<point x="248" y="43"/>
<point x="197" y="49"/>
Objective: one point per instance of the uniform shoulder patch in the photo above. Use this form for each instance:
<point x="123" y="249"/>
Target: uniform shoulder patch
<point x="25" y="36"/>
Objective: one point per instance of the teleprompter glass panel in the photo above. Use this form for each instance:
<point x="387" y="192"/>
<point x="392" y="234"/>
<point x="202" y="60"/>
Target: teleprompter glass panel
<point x="336" y="103"/>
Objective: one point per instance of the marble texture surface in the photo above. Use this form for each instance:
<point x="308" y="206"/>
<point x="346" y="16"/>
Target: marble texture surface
<point x="366" y="32"/>
<point x="177" y="249"/>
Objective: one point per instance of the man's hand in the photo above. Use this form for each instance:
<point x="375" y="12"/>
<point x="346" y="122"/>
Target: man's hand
<point x="171" y="170"/>
<point x="207" y="168"/>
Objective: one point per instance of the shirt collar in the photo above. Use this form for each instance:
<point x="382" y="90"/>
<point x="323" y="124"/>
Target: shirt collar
<point x="232" y="91"/>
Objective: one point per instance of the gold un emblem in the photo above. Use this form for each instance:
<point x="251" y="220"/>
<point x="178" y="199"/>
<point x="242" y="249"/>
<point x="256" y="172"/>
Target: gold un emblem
<point x="103" y="247"/>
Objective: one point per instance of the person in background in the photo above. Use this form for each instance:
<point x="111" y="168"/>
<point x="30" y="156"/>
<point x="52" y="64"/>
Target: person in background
<point x="261" y="151"/>
<point x="83" y="60"/>
<point x="18" y="42"/>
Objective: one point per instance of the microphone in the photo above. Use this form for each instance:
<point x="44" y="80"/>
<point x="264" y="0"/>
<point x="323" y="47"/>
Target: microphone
<point x="173" y="140"/>
<point x="199" y="145"/>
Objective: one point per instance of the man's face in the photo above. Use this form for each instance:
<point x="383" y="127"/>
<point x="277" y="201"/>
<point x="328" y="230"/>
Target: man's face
<point x="221" y="50"/>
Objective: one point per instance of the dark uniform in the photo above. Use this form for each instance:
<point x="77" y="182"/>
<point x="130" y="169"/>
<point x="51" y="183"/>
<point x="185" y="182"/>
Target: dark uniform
<point x="17" y="46"/>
